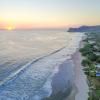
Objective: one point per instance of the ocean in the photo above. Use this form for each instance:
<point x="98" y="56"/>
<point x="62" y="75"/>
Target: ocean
<point x="30" y="58"/>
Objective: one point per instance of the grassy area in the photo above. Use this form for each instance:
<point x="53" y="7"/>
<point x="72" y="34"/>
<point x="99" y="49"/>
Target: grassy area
<point x="91" y="53"/>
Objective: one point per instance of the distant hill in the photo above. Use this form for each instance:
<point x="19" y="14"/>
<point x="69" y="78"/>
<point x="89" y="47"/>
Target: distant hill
<point x="85" y="29"/>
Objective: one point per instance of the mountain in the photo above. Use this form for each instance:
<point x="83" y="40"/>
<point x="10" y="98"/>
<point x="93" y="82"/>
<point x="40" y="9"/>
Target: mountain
<point x="85" y="29"/>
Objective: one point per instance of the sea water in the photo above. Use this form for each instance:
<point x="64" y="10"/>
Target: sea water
<point x="30" y="58"/>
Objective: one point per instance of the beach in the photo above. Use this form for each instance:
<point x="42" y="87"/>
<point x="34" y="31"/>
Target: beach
<point x="75" y="88"/>
<point x="80" y="77"/>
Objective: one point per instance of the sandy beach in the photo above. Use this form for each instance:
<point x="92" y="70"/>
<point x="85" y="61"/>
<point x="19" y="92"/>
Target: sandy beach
<point x="80" y="77"/>
<point x="81" y="89"/>
<point x="67" y="86"/>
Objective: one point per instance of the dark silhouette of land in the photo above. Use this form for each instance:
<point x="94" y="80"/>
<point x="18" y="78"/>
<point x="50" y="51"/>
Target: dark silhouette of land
<point x="85" y="29"/>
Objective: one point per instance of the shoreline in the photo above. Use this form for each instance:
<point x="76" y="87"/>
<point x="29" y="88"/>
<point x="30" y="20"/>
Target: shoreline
<point x="62" y="85"/>
<point x="77" y="88"/>
<point x="81" y="80"/>
<point x="80" y="89"/>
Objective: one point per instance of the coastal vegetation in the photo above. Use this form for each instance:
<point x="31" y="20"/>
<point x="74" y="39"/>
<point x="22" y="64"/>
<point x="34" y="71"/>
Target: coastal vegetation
<point x="91" y="63"/>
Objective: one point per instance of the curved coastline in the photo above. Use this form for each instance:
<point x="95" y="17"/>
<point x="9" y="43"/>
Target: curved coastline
<point x="80" y="77"/>
<point x="75" y="89"/>
<point x="81" y="88"/>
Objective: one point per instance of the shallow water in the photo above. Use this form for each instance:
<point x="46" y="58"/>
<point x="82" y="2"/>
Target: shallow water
<point x="29" y="59"/>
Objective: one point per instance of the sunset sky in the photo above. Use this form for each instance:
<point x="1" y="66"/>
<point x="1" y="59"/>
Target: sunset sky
<point x="48" y="13"/>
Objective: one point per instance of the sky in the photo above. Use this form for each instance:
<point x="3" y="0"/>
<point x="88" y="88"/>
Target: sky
<point x="48" y="13"/>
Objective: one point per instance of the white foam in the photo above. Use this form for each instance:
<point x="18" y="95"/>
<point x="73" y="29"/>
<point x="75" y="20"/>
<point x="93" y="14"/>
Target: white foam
<point x="36" y="80"/>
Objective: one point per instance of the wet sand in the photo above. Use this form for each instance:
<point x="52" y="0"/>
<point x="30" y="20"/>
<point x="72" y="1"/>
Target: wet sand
<point x="62" y="82"/>
<point x="70" y="83"/>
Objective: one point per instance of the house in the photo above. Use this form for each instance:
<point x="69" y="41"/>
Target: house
<point x="97" y="69"/>
<point x="98" y="74"/>
<point x="91" y="41"/>
<point x="97" y="53"/>
<point x="96" y="47"/>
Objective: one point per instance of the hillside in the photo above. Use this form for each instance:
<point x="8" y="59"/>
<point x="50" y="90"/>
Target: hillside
<point x="85" y="29"/>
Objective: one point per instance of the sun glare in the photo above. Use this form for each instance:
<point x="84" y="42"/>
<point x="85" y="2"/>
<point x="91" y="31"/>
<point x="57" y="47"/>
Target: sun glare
<point x="9" y="28"/>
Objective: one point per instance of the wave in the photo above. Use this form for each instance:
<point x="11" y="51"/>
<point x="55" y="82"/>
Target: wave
<point x="33" y="80"/>
<point x="23" y="68"/>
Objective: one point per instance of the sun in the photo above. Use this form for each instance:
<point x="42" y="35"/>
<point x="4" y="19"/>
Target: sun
<point x="9" y="28"/>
